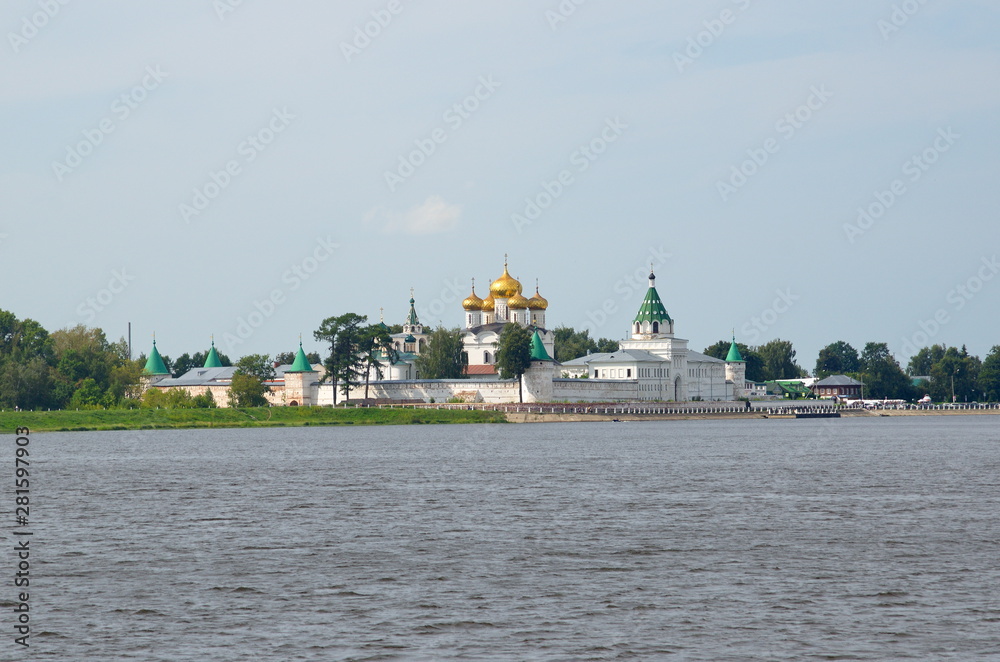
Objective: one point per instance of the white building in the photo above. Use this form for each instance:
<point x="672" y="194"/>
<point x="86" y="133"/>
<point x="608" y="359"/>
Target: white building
<point x="661" y="364"/>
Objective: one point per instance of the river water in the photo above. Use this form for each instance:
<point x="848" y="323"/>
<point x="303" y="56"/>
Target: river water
<point x="852" y="539"/>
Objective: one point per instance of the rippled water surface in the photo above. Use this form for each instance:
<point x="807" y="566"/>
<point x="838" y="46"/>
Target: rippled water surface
<point x="853" y="539"/>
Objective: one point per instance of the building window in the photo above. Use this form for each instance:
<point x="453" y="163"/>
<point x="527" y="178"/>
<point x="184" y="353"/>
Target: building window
<point x="628" y="372"/>
<point x="656" y="327"/>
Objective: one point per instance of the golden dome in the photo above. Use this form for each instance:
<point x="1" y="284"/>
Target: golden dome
<point x="537" y="302"/>
<point x="505" y="286"/>
<point x="472" y="302"/>
<point x="488" y="304"/>
<point x="517" y="302"/>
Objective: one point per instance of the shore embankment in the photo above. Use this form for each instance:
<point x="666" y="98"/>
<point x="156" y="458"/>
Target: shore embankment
<point x="259" y="417"/>
<point x="430" y="413"/>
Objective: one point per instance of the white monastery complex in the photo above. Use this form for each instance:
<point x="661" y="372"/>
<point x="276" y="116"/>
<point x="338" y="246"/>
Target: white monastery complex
<point x="650" y="364"/>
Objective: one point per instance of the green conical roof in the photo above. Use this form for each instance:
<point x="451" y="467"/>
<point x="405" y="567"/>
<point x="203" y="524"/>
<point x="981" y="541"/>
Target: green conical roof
<point x="734" y="353"/>
<point x="212" y="360"/>
<point x="412" y="317"/>
<point x="652" y="309"/>
<point x="538" y="352"/>
<point x="301" y="362"/>
<point x="154" y="364"/>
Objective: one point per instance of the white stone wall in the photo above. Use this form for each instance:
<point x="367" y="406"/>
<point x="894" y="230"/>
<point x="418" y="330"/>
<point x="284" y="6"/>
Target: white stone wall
<point x="442" y="390"/>
<point x="594" y="390"/>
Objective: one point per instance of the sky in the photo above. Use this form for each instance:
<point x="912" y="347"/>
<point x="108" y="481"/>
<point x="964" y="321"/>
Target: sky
<point x="242" y="170"/>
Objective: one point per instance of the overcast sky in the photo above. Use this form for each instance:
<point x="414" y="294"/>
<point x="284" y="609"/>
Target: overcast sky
<point x="807" y="171"/>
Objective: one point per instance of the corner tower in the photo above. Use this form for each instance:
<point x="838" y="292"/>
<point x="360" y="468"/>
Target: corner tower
<point x="299" y="381"/>
<point x="155" y="370"/>
<point x="536" y="381"/>
<point x="736" y="369"/>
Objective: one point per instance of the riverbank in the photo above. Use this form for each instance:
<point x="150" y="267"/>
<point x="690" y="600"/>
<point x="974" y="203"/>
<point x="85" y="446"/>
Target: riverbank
<point x="168" y="419"/>
<point x="621" y="417"/>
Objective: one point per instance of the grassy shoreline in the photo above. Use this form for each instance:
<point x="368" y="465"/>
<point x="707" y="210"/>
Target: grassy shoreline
<point x="170" y="419"/>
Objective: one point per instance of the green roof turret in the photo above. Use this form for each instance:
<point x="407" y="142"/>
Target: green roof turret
<point x="154" y="364"/>
<point x="734" y="353"/>
<point x="652" y="309"/>
<point x="538" y="352"/>
<point x="212" y="360"/>
<point x="301" y="363"/>
<point x="411" y="318"/>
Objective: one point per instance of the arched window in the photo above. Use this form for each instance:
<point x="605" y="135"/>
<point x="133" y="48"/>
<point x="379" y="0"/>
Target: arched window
<point x="638" y="329"/>
<point x="486" y="357"/>
<point x="656" y="327"/>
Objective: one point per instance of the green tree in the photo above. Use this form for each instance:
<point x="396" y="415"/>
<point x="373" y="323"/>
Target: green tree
<point x="246" y="390"/>
<point x="344" y="362"/>
<point x="182" y="364"/>
<point x="375" y="344"/>
<point x="571" y="344"/>
<point x="444" y="357"/>
<point x="248" y="387"/>
<point x="87" y="396"/>
<point x="955" y="376"/>
<point x="25" y="383"/>
<point x="513" y="352"/>
<point x="778" y="359"/>
<point x="256" y="365"/>
<point x="285" y="358"/>
<point x="837" y="358"/>
<point x="922" y="362"/>
<point x="607" y="346"/>
<point x="989" y="375"/>
<point x="124" y="384"/>
<point x="204" y="400"/>
<point x="882" y="375"/>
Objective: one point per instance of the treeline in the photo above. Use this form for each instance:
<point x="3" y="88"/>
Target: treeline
<point x="79" y="368"/>
<point x="944" y="373"/>
<point x="71" y="368"/>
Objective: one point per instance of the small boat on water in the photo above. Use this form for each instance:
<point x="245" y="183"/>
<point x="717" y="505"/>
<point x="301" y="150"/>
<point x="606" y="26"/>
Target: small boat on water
<point x="817" y="414"/>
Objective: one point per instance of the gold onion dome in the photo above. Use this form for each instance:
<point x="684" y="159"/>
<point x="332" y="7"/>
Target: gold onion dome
<point x="505" y="286"/>
<point x="472" y="302"/>
<point x="537" y="302"/>
<point x="517" y="302"/>
<point x="488" y="304"/>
